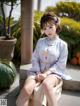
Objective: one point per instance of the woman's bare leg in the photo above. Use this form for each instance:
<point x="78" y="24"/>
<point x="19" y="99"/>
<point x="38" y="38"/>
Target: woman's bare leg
<point x="26" y="92"/>
<point x="48" y="86"/>
<point x="38" y="95"/>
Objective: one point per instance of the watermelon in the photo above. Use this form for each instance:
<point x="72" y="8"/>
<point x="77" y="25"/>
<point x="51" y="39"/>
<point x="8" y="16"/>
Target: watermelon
<point x="7" y="73"/>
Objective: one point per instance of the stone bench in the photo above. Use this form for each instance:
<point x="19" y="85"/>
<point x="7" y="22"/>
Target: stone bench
<point x="73" y="85"/>
<point x="23" y="76"/>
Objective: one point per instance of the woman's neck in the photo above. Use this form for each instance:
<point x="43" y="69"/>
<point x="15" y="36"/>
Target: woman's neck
<point x="53" y="38"/>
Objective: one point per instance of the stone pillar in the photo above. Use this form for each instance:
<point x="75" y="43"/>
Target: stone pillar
<point x="38" y="5"/>
<point x="27" y="30"/>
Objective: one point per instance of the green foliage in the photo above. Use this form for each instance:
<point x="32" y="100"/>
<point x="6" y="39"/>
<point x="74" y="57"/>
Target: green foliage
<point x="16" y="32"/>
<point x="51" y="9"/>
<point x="36" y="34"/>
<point x="71" y="34"/>
<point x="12" y="24"/>
<point x="72" y="9"/>
<point x="73" y="27"/>
<point x="7" y="73"/>
<point x="7" y="29"/>
<point x="37" y="16"/>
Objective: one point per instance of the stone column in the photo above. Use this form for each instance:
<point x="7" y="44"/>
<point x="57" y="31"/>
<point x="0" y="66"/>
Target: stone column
<point x="38" y="5"/>
<point x="27" y="30"/>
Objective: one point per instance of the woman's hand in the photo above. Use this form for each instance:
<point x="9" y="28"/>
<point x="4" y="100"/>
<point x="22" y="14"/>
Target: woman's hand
<point x="41" y="77"/>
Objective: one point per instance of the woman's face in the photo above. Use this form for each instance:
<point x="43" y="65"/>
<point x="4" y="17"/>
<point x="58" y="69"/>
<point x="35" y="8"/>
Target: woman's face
<point x="50" y="30"/>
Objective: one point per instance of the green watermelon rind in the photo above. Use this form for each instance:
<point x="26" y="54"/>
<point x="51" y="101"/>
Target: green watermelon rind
<point x="9" y="73"/>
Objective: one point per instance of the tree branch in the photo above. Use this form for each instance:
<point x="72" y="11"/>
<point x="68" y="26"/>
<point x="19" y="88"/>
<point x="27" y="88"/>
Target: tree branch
<point x="9" y="29"/>
<point x="4" y="20"/>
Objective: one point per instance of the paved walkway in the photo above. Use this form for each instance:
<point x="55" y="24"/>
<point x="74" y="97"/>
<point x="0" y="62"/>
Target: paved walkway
<point x="68" y="98"/>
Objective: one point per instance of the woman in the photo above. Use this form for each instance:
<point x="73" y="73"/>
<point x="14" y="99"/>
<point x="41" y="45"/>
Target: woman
<point x="48" y="62"/>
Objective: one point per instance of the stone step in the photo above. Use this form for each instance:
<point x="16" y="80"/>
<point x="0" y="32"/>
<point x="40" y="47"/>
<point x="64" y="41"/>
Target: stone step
<point x="74" y="83"/>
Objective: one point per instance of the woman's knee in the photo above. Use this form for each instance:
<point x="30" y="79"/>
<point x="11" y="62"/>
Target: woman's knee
<point x="29" y="87"/>
<point x="27" y="91"/>
<point x="50" y="82"/>
<point x="46" y="86"/>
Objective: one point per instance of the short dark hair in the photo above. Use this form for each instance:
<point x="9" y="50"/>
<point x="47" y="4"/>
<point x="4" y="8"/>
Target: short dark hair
<point x="47" y="17"/>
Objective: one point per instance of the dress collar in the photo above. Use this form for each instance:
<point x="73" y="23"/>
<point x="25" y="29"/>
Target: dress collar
<point x="50" y="41"/>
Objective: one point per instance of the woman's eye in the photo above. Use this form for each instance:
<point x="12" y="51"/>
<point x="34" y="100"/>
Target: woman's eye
<point x="50" y="27"/>
<point x="44" y="28"/>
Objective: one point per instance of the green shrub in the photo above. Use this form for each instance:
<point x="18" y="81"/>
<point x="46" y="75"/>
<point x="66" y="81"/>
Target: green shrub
<point x="51" y="9"/>
<point x="36" y="34"/>
<point x="72" y="9"/>
<point x="7" y="74"/>
<point x="70" y="28"/>
<point x="37" y="15"/>
<point x="71" y="34"/>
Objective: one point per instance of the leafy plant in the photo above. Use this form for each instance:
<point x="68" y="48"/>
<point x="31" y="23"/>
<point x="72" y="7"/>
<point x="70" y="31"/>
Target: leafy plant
<point x="7" y="30"/>
<point x="37" y="16"/>
<point x="71" y="34"/>
<point x="70" y="8"/>
<point x="67" y="9"/>
<point x="16" y="32"/>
